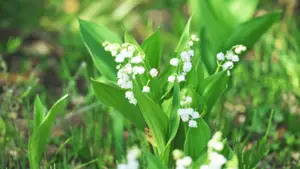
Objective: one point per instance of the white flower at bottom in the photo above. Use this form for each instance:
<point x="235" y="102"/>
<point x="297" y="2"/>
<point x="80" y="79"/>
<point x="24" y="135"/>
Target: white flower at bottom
<point x="136" y="59"/>
<point x="172" y="78"/>
<point x="227" y="65"/>
<point x="187" y="161"/>
<point x="177" y="154"/>
<point x="235" y="58"/>
<point x="181" y="78"/>
<point x="133" y="101"/>
<point x="185" y="56"/>
<point x="129" y="95"/>
<point x="240" y="48"/>
<point x="204" y="167"/>
<point x="122" y="166"/>
<point x="146" y="89"/>
<point x="153" y="72"/>
<point x="221" y="56"/>
<point x="195" y="115"/>
<point x="194" y="38"/>
<point x="229" y="55"/>
<point x="138" y="70"/>
<point x="191" y="52"/>
<point x="174" y="61"/>
<point x="120" y="58"/>
<point x="187" y="66"/>
<point x="133" y="164"/>
<point x="193" y="124"/>
<point x="188" y="99"/>
<point x="217" y="159"/>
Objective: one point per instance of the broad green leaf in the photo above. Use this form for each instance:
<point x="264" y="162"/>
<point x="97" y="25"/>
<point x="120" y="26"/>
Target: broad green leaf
<point x="152" y="47"/>
<point x="242" y="10"/>
<point x="38" y="140"/>
<point x="202" y="73"/>
<point x="154" y="162"/>
<point x="234" y="11"/>
<point x="185" y="36"/>
<point x="216" y="29"/>
<point x="212" y="87"/>
<point x="93" y="36"/>
<point x="197" y="139"/>
<point x="39" y="113"/>
<point x="114" y="97"/>
<point x="155" y="118"/>
<point x="174" y="119"/>
<point x="248" y="33"/>
<point x="118" y="131"/>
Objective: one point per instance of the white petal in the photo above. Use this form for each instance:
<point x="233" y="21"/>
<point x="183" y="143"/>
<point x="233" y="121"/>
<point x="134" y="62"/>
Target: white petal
<point x="136" y="59"/>
<point x="122" y="166"/>
<point x="185" y="117"/>
<point x="146" y="89"/>
<point x="227" y="65"/>
<point x="153" y="72"/>
<point x="190" y="43"/>
<point x="187" y="66"/>
<point x="195" y="115"/>
<point x="172" y="78"/>
<point x="220" y="56"/>
<point x="229" y="55"/>
<point x="188" y="100"/>
<point x="235" y="58"/>
<point x="191" y="52"/>
<point x="174" y="61"/>
<point x="181" y="78"/>
<point x="120" y="58"/>
<point x="185" y="56"/>
<point x="193" y="124"/>
<point x="187" y="161"/>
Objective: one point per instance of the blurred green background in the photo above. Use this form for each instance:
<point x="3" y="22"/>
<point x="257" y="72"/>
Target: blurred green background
<point x="41" y="52"/>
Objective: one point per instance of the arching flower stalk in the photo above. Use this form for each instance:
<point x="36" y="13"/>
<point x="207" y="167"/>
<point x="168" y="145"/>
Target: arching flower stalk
<point x="227" y="61"/>
<point x="130" y="64"/>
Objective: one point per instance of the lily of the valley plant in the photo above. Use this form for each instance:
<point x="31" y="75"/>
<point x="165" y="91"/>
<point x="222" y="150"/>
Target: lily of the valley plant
<point x="170" y="99"/>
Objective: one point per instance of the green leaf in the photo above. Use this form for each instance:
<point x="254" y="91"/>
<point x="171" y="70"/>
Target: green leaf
<point x="93" y="36"/>
<point x="118" y="131"/>
<point x="234" y="11"/>
<point x="248" y="33"/>
<point x="174" y="119"/>
<point x="242" y="10"/>
<point x="185" y="36"/>
<point x="216" y="29"/>
<point x="197" y="139"/>
<point x="114" y="97"/>
<point x="153" y="161"/>
<point x="152" y="47"/>
<point x="38" y="140"/>
<point x="39" y="113"/>
<point x="155" y="118"/>
<point x="212" y="87"/>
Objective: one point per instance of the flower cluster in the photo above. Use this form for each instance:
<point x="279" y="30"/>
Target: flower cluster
<point x="227" y="60"/>
<point x="130" y="63"/>
<point x="132" y="163"/>
<point x="216" y="160"/>
<point x="185" y="61"/>
<point x="182" y="162"/>
<point x="188" y="114"/>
